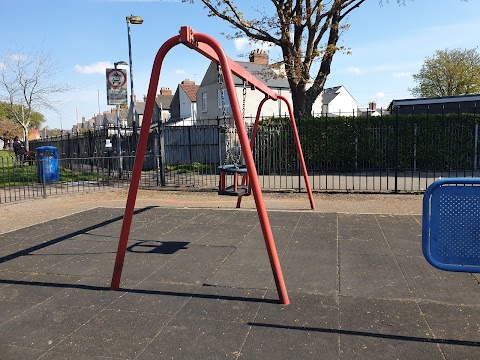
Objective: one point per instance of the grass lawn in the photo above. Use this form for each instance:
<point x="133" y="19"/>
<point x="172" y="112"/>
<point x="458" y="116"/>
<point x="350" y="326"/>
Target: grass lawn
<point x="27" y="174"/>
<point x="194" y="168"/>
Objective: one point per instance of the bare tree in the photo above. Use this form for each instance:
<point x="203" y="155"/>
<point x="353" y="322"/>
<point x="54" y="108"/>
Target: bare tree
<point x="304" y="30"/>
<point x="27" y="84"/>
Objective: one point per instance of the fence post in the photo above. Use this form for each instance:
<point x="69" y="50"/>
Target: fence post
<point x="161" y="152"/>
<point x="298" y="160"/>
<point x="475" y="154"/>
<point x="44" y="182"/>
<point x="397" y="135"/>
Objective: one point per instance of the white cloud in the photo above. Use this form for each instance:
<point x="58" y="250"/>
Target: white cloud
<point x="180" y="72"/>
<point x="354" y="70"/>
<point x="17" y="57"/>
<point x="96" y="68"/>
<point x="3" y="66"/>
<point x="402" y="74"/>
<point x="241" y="44"/>
<point x="245" y="44"/>
<point x="380" y="95"/>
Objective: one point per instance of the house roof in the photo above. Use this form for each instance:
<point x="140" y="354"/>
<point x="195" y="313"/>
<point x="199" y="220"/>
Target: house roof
<point x="140" y="107"/>
<point x="164" y="101"/>
<point x="330" y="93"/>
<point x="191" y="91"/>
<point x="265" y="74"/>
<point x="436" y="100"/>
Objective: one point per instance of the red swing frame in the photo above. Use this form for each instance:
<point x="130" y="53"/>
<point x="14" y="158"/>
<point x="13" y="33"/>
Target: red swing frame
<point x="210" y="48"/>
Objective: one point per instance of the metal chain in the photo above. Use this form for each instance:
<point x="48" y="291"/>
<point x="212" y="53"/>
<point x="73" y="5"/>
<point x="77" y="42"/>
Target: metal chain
<point x="224" y="115"/>
<point x="244" y="93"/>
<point x="244" y="99"/>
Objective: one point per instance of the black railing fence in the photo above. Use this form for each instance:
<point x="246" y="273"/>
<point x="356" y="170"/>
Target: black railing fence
<point x="401" y="152"/>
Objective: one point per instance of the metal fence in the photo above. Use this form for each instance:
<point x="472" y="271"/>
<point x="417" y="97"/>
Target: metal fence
<point x="394" y="153"/>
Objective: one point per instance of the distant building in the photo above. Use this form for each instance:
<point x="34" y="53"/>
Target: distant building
<point x="372" y="110"/>
<point x="337" y="101"/>
<point x="437" y="105"/>
<point x="183" y="108"/>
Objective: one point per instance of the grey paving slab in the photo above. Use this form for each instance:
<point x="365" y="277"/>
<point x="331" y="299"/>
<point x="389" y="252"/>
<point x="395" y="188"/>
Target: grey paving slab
<point x="365" y="346"/>
<point x="244" y="268"/>
<point x="364" y="246"/>
<point x="320" y="242"/>
<point x="384" y="329"/>
<point x="431" y="284"/>
<point x="304" y="311"/>
<point x="55" y="355"/>
<point x="461" y="352"/>
<point x="402" y="233"/>
<point x="453" y="323"/>
<point x="318" y="277"/>
<point x="105" y="334"/>
<point x="197" y="284"/>
<point x="255" y="239"/>
<point x="86" y="293"/>
<point x="193" y="233"/>
<point x="193" y="266"/>
<point x="35" y="288"/>
<point x="10" y="309"/>
<point x="289" y="342"/>
<point x="16" y="352"/>
<point x="76" y="245"/>
<point x="38" y="263"/>
<point x="223" y="304"/>
<point x="154" y="297"/>
<point x="383" y="317"/>
<point x="189" y="338"/>
<point x="44" y="326"/>
<point x="372" y="276"/>
<point x="226" y="235"/>
<point x="6" y="277"/>
<point x="318" y="220"/>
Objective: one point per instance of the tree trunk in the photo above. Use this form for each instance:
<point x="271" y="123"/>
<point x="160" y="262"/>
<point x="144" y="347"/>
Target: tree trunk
<point x="25" y="137"/>
<point x="325" y="67"/>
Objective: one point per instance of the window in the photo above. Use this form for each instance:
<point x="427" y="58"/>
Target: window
<point x="204" y="102"/>
<point x="225" y="96"/>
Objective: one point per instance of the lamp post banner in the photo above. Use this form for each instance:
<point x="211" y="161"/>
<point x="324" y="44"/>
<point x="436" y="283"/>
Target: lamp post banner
<point x="117" y="87"/>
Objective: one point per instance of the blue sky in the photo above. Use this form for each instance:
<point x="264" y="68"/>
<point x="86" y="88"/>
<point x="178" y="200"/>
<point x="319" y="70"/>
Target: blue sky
<point x="388" y="44"/>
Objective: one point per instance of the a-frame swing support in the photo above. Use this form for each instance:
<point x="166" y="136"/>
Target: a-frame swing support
<point x="210" y="48"/>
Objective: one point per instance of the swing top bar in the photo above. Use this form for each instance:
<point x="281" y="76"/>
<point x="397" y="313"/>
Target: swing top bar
<point x="187" y="37"/>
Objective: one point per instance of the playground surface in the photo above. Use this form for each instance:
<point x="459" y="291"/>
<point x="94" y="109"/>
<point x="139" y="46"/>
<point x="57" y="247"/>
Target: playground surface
<point x="197" y="283"/>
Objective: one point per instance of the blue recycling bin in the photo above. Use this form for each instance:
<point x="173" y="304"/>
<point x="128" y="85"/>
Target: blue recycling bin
<point x="47" y="164"/>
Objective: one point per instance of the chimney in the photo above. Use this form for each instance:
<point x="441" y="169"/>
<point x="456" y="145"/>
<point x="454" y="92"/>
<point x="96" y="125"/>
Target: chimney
<point x="134" y="98"/>
<point x="83" y="119"/>
<point x="372" y="106"/>
<point x="165" y="91"/>
<point x="259" y="57"/>
<point x="188" y="82"/>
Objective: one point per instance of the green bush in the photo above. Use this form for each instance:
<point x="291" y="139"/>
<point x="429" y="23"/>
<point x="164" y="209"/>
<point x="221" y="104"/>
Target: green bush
<point x="411" y="142"/>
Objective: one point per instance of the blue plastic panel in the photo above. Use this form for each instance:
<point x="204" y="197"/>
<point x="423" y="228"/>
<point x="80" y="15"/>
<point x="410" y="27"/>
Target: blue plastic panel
<point x="451" y="224"/>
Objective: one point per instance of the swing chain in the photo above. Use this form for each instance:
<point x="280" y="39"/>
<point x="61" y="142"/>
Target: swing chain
<point x="244" y="93"/>
<point x="224" y="115"/>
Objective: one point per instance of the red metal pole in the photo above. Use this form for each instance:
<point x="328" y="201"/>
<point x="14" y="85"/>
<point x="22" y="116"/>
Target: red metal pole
<point x="139" y="157"/>
<point x="249" y="162"/>
<point x="299" y="151"/>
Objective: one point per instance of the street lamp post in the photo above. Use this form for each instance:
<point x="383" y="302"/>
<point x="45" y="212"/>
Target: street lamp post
<point x="119" y="137"/>
<point x="135" y="20"/>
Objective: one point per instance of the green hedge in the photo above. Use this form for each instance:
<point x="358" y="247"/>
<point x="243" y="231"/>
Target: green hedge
<point x="425" y="143"/>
